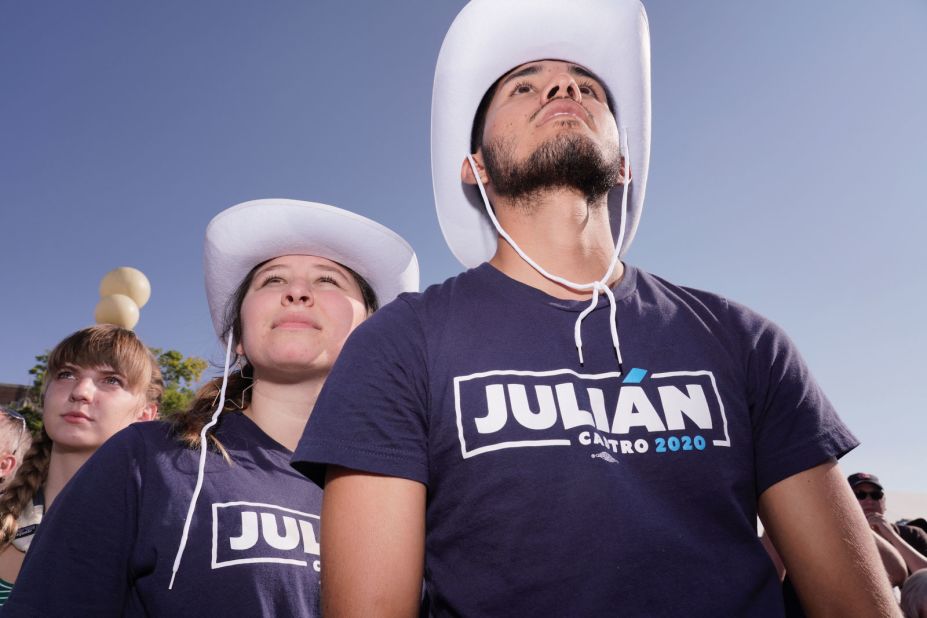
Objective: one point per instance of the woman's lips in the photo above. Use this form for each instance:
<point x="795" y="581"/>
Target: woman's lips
<point x="295" y="325"/>
<point x="296" y="322"/>
<point x="76" y="417"/>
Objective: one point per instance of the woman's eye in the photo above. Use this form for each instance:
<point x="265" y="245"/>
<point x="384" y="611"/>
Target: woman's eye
<point x="328" y="279"/>
<point x="64" y="374"/>
<point x="114" y="380"/>
<point x="521" y="88"/>
<point x="271" y="279"/>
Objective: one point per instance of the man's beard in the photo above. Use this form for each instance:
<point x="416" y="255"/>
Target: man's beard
<point x="566" y="161"/>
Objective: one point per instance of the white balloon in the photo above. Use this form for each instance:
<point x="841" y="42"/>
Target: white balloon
<point x="128" y="281"/>
<point x="117" y="309"/>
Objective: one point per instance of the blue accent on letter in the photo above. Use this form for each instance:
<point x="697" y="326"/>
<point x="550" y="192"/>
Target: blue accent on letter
<point x="634" y="376"/>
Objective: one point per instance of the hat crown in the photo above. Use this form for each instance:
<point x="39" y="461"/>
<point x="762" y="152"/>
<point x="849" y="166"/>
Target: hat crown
<point x="247" y="234"/>
<point x="488" y="38"/>
<point x="859" y="478"/>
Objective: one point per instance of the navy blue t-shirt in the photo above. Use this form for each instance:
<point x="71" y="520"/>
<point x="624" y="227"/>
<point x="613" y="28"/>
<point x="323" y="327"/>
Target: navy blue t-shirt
<point x="560" y="489"/>
<point x="107" y="545"/>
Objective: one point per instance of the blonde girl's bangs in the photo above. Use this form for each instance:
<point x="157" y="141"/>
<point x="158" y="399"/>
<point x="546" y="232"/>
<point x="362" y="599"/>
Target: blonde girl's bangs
<point x="106" y="345"/>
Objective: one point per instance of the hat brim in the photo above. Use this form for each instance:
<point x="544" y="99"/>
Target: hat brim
<point x="245" y="235"/>
<point x="488" y="38"/>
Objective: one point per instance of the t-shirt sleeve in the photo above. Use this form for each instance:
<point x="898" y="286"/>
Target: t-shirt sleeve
<point x="371" y="414"/>
<point x="795" y="427"/>
<point x="78" y="562"/>
<point x="915" y="537"/>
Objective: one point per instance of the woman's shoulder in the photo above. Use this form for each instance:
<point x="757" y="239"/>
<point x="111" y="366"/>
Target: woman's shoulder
<point x="136" y="441"/>
<point x="147" y="432"/>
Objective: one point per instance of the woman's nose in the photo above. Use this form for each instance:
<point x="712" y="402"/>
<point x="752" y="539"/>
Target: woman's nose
<point x="83" y="390"/>
<point x="298" y="293"/>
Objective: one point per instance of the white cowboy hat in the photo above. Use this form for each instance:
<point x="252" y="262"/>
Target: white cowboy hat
<point x="488" y="38"/>
<point x="243" y="236"/>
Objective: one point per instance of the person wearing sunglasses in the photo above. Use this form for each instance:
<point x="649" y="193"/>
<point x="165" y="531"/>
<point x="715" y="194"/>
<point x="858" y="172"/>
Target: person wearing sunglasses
<point x="909" y="541"/>
<point x="14" y="441"/>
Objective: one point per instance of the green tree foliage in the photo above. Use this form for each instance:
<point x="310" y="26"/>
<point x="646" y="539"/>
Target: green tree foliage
<point x="31" y="406"/>
<point x="38" y="376"/>
<point x="180" y="375"/>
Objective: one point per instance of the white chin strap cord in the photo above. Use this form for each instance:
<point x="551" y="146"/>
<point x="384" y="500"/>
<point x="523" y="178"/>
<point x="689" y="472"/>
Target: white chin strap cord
<point x="600" y="286"/>
<point x="202" y="466"/>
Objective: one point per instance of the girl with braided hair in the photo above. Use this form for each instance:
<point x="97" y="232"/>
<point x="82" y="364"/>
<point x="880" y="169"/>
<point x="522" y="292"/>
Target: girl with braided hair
<point x="99" y="380"/>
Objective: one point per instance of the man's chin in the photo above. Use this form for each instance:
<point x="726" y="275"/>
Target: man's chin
<point x="567" y="159"/>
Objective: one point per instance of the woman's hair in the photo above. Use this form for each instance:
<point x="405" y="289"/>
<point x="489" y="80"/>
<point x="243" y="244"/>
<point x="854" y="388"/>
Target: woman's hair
<point x="112" y="346"/>
<point x="189" y="424"/>
<point x="14" y="435"/>
<point x="96" y="346"/>
<point x="18" y="494"/>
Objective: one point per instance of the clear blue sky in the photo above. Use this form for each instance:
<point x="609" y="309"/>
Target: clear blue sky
<point x="788" y="156"/>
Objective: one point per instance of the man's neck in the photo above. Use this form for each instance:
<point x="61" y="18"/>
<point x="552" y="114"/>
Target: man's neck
<point x="563" y="234"/>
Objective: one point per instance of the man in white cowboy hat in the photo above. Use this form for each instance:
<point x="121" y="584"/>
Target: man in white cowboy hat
<point x="496" y="434"/>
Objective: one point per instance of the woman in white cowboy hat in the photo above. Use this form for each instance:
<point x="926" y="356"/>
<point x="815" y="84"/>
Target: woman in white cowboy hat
<point x="204" y="514"/>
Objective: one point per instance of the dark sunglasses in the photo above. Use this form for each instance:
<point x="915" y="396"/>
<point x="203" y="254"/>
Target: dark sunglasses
<point x="19" y="417"/>
<point x="875" y="495"/>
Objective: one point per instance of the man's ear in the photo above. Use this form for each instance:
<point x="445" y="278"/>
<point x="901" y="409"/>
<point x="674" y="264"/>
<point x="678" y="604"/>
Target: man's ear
<point x="624" y="172"/>
<point x="466" y="172"/>
<point x="148" y="412"/>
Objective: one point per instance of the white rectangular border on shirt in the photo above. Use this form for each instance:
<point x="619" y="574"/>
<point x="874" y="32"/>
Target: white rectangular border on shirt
<point x="260" y="505"/>
<point x="467" y="453"/>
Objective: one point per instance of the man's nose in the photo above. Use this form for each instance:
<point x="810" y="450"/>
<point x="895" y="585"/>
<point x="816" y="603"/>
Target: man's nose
<point x="562" y="85"/>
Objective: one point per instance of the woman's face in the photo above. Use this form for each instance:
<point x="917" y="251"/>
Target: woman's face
<point x="85" y="406"/>
<point x="296" y="315"/>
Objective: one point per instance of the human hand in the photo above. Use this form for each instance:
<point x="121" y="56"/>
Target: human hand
<point x="878" y="523"/>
